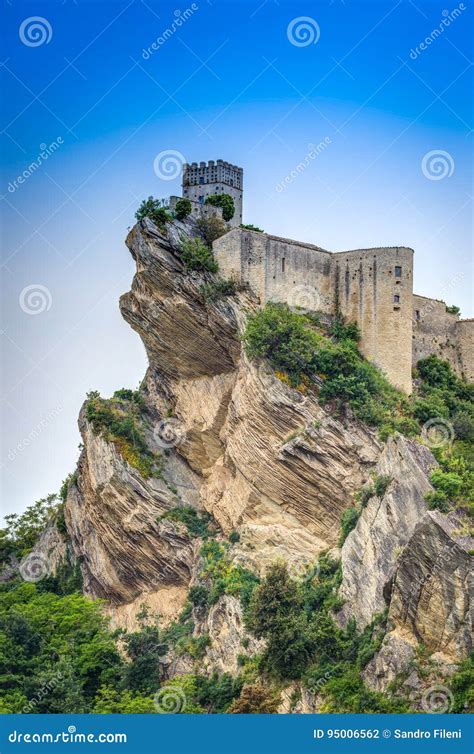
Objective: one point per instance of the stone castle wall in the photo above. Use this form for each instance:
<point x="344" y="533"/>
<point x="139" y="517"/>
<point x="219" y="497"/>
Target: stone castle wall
<point x="374" y="287"/>
<point x="465" y="340"/>
<point x="361" y="283"/>
<point x="436" y="331"/>
<point x="198" y="210"/>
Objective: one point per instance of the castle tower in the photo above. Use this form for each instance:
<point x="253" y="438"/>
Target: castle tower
<point x="200" y="181"/>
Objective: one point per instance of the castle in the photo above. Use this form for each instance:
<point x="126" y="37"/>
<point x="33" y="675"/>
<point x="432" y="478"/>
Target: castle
<point x="200" y="181"/>
<point x="373" y="287"/>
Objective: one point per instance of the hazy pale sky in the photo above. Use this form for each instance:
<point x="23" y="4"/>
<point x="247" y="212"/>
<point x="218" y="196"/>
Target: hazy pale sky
<point x="103" y="88"/>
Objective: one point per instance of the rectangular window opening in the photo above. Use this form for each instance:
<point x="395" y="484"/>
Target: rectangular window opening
<point x="283" y="264"/>
<point x="398" y="272"/>
<point x="396" y="299"/>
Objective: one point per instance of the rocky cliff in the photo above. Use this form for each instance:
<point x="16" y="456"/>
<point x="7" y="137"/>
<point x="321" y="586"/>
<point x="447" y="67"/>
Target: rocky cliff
<point x="268" y="463"/>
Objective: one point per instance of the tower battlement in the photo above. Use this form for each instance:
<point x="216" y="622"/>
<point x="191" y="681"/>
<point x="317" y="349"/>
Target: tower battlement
<point x="202" y="179"/>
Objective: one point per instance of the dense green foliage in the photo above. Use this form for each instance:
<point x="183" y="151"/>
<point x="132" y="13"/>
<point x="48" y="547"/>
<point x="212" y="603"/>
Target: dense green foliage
<point x="218" y="289"/>
<point x="119" y="420"/>
<point x="304" y="642"/>
<point x="220" y="576"/>
<point x="211" y="228"/>
<point x="453" y="309"/>
<point x="251" y="227"/>
<point x="197" y="256"/>
<point x="55" y="643"/>
<point x="183" y="208"/>
<point x="156" y="209"/>
<point x="23" y="529"/>
<point x="295" y="345"/>
<point x="224" y="201"/>
<point x="198" y="524"/>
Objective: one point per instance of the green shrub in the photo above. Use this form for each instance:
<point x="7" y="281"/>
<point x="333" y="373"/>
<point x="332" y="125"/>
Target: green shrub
<point x="23" y="529"/>
<point x="197" y="256"/>
<point x="342" y="331"/>
<point x="199" y="595"/>
<point x="461" y="684"/>
<point x="198" y="524"/>
<point x="251" y="227"/>
<point x="277" y="334"/>
<point x="183" y="208"/>
<point x="225" y="202"/>
<point x="211" y="229"/>
<point x="381" y="483"/>
<point x="349" y="520"/>
<point x="463" y="425"/>
<point x="218" y="289"/>
<point x="234" y="537"/>
<point x="156" y="209"/>
<point x="225" y="577"/>
<point x="453" y="309"/>
<point x="119" y="421"/>
<point x="428" y="408"/>
<point x="217" y="692"/>
<point x="448" y="482"/>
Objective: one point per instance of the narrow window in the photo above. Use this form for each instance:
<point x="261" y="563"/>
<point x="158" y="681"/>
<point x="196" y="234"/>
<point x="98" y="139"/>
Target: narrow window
<point x="417" y="315"/>
<point x="398" y="272"/>
<point x="201" y="180"/>
<point x="283" y="264"/>
<point x="396" y="299"/>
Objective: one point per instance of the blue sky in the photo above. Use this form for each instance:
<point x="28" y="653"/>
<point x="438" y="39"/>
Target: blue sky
<point x="228" y="83"/>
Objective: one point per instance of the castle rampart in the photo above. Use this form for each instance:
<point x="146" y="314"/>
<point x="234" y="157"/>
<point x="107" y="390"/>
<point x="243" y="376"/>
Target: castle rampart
<point x="372" y="287"/>
<point x="440" y="332"/>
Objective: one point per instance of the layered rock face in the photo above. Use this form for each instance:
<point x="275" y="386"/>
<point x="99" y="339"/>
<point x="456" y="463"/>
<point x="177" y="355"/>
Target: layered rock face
<point x="266" y="461"/>
<point x="271" y="460"/>
<point x="112" y="516"/>
<point x="371" y="551"/>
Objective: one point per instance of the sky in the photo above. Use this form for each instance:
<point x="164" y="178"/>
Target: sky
<point x="103" y="102"/>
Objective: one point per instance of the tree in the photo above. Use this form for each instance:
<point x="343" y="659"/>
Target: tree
<point x="183" y="208"/>
<point x="225" y="202"/>
<point x="197" y="256"/>
<point x="156" y="210"/>
<point x="211" y="228"/>
<point x="255" y="699"/>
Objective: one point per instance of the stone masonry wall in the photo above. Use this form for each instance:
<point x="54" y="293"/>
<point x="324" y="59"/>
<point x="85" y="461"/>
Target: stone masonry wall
<point x="363" y="283"/>
<point x="374" y="287"/>
<point x="436" y="331"/>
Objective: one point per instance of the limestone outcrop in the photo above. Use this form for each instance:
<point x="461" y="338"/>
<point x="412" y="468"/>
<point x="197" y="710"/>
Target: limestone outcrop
<point x="266" y="461"/>
<point x="371" y="551"/>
